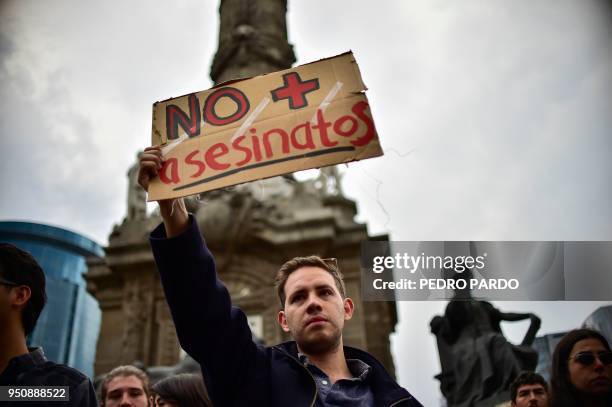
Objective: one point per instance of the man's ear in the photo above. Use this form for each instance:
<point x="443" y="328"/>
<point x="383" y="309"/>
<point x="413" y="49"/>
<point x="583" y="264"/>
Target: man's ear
<point x="349" y="307"/>
<point x="20" y="296"/>
<point x="282" y="321"/>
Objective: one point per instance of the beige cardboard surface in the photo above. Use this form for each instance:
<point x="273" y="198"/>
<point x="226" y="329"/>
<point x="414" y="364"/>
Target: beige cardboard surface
<point x="310" y="116"/>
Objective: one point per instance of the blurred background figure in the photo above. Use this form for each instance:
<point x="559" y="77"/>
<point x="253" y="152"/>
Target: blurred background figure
<point x="22" y="299"/>
<point x="182" y="390"/>
<point x="529" y="389"/>
<point x="125" y="386"/>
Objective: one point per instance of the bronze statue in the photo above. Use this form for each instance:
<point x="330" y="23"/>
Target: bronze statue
<point x="478" y="363"/>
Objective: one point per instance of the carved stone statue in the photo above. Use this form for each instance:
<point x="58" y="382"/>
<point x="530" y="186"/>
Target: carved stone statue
<point x="478" y="363"/>
<point x="330" y="179"/>
<point x="252" y="39"/>
<point x="137" y="197"/>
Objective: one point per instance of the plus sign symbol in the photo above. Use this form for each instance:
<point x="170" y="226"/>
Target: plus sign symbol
<point x="295" y="90"/>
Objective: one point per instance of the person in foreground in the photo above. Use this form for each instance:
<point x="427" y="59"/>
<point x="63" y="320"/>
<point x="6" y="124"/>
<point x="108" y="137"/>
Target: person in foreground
<point x="22" y="298"/>
<point x="314" y="370"/>
<point x="582" y="370"/>
<point x="529" y="389"/>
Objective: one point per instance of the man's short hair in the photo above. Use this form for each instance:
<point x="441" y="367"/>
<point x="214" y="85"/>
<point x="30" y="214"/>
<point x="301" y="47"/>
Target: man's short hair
<point x="526" y="378"/>
<point x="123" y="371"/>
<point x="329" y="265"/>
<point x="20" y="268"/>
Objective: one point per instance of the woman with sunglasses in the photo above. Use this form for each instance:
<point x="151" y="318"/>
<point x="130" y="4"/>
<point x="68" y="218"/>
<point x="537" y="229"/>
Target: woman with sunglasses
<point x="582" y="370"/>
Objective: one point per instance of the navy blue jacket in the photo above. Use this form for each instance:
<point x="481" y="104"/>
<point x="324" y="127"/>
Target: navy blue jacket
<point x="236" y="370"/>
<point x="33" y="369"/>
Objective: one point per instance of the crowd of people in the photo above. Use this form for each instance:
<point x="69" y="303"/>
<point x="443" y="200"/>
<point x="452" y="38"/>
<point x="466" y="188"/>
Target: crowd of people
<point x="581" y="370"/>
<point x="581" y="375"/>
<point x="129" y="386"/>
<point x="315" y="369"/>
<point x="22" y="299"/>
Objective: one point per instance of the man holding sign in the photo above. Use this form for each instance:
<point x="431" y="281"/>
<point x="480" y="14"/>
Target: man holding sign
<point x="315" y="370"/>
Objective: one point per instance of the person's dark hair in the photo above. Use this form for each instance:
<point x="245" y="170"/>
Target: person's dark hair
<point x="124" y="371"/>
<point x="185" y="389"/>
<point x="20" y="268"/>
<point x="563" y="392"/>
<point x="526" y="378"/>
<point x="329" y="265"/>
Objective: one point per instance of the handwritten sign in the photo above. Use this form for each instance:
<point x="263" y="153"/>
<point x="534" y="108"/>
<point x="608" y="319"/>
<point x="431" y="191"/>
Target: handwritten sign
<point x="310" y="116"/>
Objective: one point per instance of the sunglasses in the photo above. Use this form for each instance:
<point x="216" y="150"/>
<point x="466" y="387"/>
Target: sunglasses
<point x="588" y="358"/>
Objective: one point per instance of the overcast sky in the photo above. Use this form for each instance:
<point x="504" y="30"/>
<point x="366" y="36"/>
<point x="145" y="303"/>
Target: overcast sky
<point x="495" y="117"/>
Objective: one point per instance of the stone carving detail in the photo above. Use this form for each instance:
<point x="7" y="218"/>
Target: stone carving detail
<point x="168" y="347"/>
<point x="329" y="181"/>
<point x="138" y="307"/>
<point x="252" y="39"/>
<point x="137" y="197"/>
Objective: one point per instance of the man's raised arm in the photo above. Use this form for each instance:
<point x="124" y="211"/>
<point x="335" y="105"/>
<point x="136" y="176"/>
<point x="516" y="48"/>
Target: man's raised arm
<point x="209" y="328"/>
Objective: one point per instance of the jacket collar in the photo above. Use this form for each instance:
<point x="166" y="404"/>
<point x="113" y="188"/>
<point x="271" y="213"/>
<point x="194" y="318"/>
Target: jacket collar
<point x="34" y="357"/>
<point x="385" y="389"/>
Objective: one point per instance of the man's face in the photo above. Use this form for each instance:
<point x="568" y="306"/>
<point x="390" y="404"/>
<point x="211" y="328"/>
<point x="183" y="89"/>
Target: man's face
<point x="124" y="391"/>
<point x="13" y="298"/>
<point x="314" y="311"/>
<point x="531" y="395"/>
<point x="592" y="378"/>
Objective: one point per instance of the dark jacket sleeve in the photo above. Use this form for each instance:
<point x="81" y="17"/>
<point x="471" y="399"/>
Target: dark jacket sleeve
<point x="84" y="395"/>
<point x="209" y="328"/>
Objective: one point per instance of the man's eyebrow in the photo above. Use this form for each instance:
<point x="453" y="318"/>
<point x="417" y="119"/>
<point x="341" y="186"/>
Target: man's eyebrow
<point x="298" y="291"/>
<point x="120" y="389"/>
<point x="301" y="290"/>
<point x="317" y="287"/>
<point x="532" y="389"/>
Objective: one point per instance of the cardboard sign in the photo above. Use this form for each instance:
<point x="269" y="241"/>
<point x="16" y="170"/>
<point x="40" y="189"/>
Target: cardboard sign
<point x="310" y="116"/>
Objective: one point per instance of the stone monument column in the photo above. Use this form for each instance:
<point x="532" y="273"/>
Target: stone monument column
<point x="252" y="39"/>
<point x="250" y="232"/>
